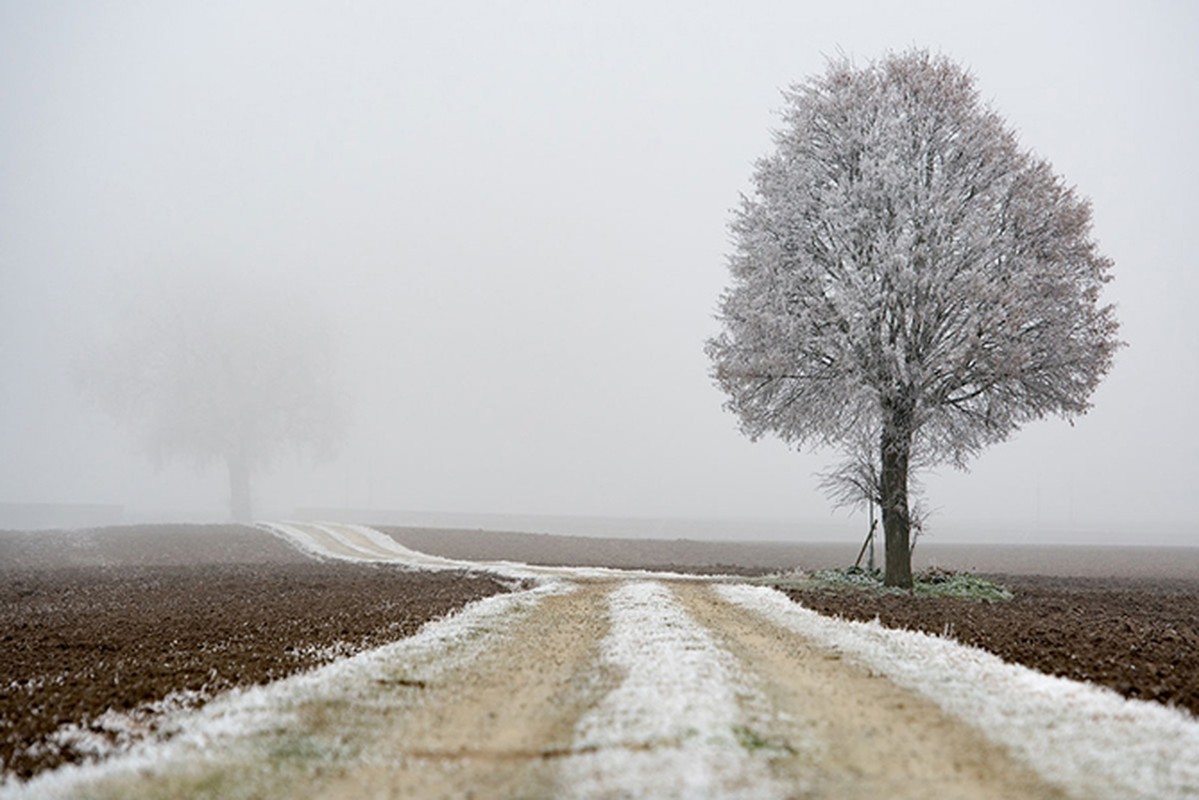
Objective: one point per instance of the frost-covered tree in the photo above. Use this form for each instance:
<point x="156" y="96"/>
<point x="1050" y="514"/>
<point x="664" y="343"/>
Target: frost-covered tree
<point x="218" y="369"/>
<point x="904" y="265"/>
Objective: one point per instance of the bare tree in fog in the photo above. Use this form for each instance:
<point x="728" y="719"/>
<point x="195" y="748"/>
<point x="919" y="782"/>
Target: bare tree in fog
<point x="903" y="266"/>
<point x="857" y="482"/>
<point x="206" y="370"/>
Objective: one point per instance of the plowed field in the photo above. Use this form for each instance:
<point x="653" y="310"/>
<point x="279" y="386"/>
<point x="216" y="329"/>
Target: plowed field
<point x="79" y="641"/>
<point x="1140" y="638"/>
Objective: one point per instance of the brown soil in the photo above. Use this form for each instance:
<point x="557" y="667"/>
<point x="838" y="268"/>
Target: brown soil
<point x="77" y="641"/>
<point x="145" y="545"/>
<point x="680" y="555"/>
<point x="737" y="557"/>
<point x="1137" y="636"/>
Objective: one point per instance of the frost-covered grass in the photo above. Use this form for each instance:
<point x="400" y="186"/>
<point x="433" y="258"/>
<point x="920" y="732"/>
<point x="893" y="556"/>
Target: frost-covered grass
<point x="682" y="718"/>
<point x="930" y="583"/>
<point x="257" y="741"/>
<point x="1085" y="738"/>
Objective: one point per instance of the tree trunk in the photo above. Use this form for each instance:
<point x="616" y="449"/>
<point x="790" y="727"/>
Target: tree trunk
<point x="241" y="505"/>
<point x="897" y="521"/>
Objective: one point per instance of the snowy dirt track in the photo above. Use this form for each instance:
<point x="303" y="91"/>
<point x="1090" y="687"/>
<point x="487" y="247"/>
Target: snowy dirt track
<point x="600" y="683"/>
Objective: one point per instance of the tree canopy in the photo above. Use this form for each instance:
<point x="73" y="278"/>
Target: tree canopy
<point x="203" y="369"/>
<point x="904" y="266"/>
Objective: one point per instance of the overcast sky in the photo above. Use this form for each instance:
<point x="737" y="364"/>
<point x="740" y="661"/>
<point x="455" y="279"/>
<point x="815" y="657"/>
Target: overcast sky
<point x="516" y="216"/>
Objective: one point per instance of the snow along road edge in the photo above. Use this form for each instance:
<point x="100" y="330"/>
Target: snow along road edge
<point x="234" y="723"/>
<point x="1087" y="739"/>
<point x="361" y="543"/>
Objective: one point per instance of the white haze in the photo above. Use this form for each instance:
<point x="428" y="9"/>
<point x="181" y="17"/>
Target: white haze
<point x="514" y="217"/>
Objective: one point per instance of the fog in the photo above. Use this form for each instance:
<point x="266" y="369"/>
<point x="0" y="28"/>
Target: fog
<point x="511" y="224"/>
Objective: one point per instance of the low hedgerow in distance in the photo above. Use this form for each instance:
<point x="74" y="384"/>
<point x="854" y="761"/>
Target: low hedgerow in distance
<point x="932" y="582"/>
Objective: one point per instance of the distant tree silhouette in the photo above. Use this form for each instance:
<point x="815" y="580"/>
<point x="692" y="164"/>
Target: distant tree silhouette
<point x="205" y="370"/>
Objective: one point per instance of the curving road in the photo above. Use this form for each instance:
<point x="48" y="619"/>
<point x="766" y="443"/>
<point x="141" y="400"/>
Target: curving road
<point x="613" y="684"/>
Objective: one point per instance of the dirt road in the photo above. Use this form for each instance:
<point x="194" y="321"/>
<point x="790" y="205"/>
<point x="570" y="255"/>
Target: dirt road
<point x="521" y="717"/>
<point x="507" y="726"/>
<point x="602" y="684"/>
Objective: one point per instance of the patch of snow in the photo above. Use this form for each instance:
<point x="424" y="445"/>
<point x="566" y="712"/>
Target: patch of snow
<point x="1087" y="739"/>
<point x="672" y="722"/>
<point x="324" y="653"/>
<point x="116" y="731"/>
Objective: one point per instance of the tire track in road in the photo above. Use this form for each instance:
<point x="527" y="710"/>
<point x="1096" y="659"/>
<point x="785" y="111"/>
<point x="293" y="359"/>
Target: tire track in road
<point x="499" y="728"/>
<point x="843" y="732"/>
